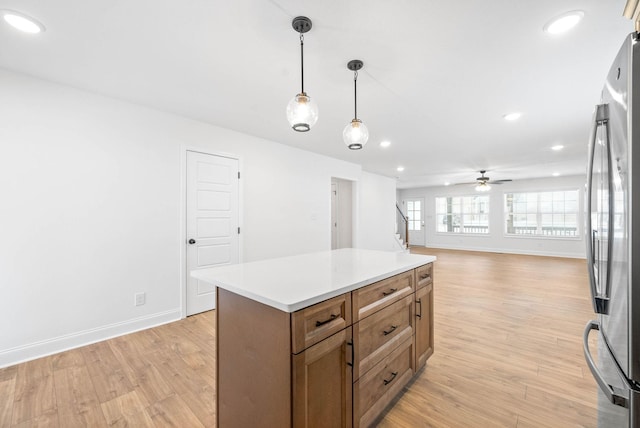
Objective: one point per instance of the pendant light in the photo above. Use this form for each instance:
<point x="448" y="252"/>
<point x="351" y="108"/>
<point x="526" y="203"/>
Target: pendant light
<point x="355" y="134"/>
<point x="302" y="112"/>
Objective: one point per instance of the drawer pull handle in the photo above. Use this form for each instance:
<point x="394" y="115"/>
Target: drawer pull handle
<point x="350" y="343"/>
<point x="419" y="302"/>
<point x="386" y="293"/>
<point x="393" y="376"/>
<point x="331" y="318"/>
<point x="391" y="330"/>
<point x="425" y="276"/>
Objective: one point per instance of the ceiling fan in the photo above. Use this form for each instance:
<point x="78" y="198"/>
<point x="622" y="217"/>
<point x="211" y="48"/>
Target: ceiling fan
<point x="483" y="183"/>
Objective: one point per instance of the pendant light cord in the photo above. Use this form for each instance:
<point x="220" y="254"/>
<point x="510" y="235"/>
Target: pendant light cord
<point x="355" y="94"/>
<point x="302" y="60"/>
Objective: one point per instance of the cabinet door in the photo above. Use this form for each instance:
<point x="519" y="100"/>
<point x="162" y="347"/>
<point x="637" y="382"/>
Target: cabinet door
<point x="424" y="325"/>
<point x="323" y="383"/>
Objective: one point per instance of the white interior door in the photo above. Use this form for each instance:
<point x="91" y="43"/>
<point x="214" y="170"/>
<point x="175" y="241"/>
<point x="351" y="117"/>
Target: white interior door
<point x="341" y="213"/>
<point x="415" y="216"/>
<point x="212" y="222"/>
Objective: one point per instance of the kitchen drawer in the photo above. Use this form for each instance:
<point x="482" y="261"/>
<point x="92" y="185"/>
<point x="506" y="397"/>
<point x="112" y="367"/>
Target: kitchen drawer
<point x="377" y="388"/>
<point x="376" y="336"/>
<point x="424" y="275"/>
<point x="370" y="299"/>
<point x="317" y="322"/>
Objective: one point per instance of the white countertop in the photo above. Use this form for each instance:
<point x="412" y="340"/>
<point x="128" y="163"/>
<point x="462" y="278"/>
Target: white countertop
<point x="293" y="283"/>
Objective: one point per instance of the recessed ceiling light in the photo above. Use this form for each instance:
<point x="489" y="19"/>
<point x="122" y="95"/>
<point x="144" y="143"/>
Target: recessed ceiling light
<point x="446" y="183"/>
<point x="563" y="23"/>
<point x="512" y="116"/>
<point x="400" y="169"/>
<point x="22" y="22"/>
<point x="385" y="143"/>
<point x="557" y="148"/>
<point x="555" y="174"/>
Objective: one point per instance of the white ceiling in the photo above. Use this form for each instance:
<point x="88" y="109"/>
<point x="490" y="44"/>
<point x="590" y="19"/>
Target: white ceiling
<point x="437" y="77"/>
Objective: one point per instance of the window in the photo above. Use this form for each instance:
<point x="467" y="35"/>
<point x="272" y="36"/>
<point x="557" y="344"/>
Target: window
<point x="462" y="214"/>
<point x="414" y="215"/>
<point x="542" y="213"/>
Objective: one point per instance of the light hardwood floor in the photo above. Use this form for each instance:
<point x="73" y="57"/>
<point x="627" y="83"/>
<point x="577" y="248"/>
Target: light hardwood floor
<point x="508" y="353"/>
<point x="160" y="377"/>
<point x="508" y="345"/>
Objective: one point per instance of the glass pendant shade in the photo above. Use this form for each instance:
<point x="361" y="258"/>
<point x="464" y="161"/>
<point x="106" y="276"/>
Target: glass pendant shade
<point x="355" y="134"/>
<point x="302" y="112"/>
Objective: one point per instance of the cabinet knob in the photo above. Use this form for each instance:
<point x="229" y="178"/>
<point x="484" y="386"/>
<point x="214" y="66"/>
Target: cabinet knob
<point x="191" y="241"/>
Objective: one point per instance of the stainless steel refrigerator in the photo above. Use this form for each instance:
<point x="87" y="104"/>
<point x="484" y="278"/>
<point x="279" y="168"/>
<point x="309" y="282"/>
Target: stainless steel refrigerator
<point x="613" y="241"/>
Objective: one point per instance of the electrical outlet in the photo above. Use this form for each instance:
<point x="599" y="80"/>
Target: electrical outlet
<point x="139" y="299"/>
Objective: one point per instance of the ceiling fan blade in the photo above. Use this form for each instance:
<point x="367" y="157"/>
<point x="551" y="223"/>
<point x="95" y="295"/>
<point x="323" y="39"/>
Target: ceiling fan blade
<point x="483" y="179"/>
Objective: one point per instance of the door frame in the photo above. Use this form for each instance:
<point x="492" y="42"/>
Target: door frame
<point x="182" y="215"/>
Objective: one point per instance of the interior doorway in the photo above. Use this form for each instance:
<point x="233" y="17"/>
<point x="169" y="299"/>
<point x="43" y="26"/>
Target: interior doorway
<point x="212" y="222"/>
<point x="341" y="213"/>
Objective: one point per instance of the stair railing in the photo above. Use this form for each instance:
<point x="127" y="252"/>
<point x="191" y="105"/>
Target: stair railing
<point x="403" y="225"/>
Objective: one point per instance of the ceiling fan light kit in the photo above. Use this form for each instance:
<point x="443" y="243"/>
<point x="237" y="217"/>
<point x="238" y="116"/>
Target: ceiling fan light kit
<point x="302" y="111"/>
<point x="483" y="187"/>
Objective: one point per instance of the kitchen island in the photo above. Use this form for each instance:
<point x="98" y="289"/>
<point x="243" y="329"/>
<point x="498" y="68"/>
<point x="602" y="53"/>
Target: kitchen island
<point x="321" y="339"/>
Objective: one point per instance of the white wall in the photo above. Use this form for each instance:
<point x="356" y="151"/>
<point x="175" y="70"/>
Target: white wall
<point x="496" y="241"/>
<point x="377" y="212"/>
<point x="91" y="212"/>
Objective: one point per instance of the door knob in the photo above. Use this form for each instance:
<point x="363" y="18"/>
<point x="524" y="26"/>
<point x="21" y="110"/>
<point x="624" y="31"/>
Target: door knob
<point x="191" y="241"/>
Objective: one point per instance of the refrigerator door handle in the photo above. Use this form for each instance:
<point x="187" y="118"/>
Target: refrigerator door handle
<point x="613" y="394"/>
<point x="600" y="300"/>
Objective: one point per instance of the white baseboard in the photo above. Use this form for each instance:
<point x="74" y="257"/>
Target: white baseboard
<point x="510" y="251"/>
<point x="20" y="354"/>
